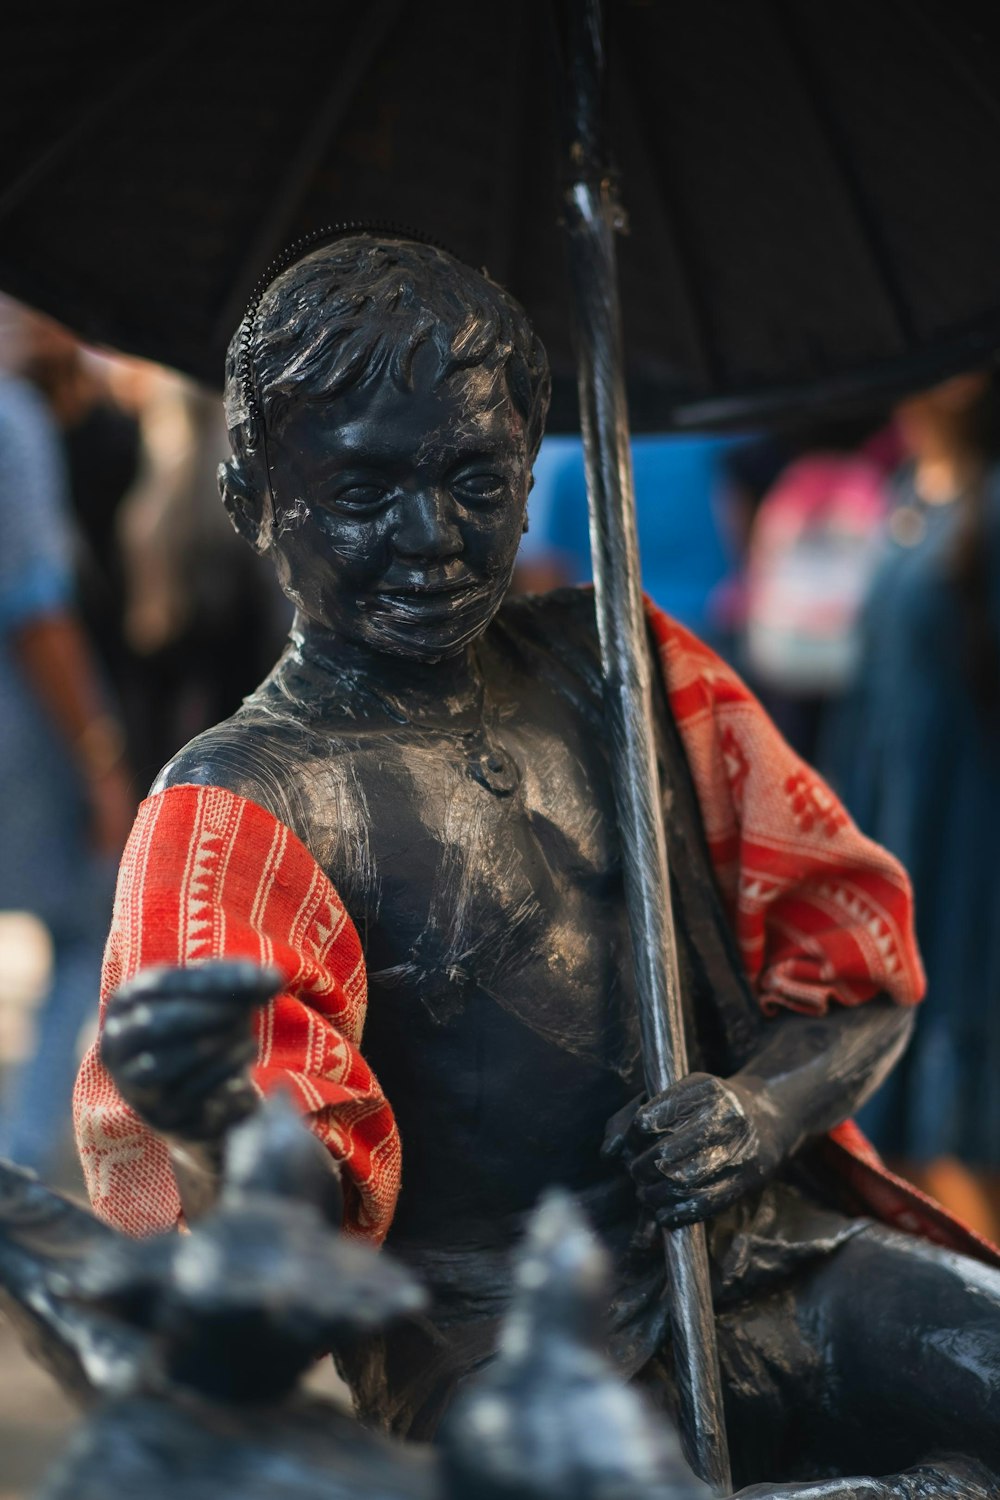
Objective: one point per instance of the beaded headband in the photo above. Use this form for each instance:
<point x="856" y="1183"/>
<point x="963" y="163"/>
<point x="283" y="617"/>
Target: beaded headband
<point x="288" y="257"/>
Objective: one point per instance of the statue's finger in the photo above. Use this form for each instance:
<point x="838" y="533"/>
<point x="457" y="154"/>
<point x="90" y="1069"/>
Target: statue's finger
<point x="149" y="1023"/>
<point x="618" y="1126"/>
<point x="701" y="1168"/>
<point x="171" y="1063"/>
<point x="678" y="1103"/>
<point x="719" y="1136"/>
<point x="225" y="1107"/>
<point x="163" y="1049"/>
<point x="239" y="981"/>
<point x="646" y="1234"/>
<point x="669" y="1153"/>
<point x="201" y="1081"/>
<point x="205" y="1102"/>
<point x="693" y="1208"/>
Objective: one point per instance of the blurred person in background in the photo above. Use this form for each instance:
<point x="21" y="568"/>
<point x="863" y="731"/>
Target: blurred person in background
<point x="917" y="759"/>
<point x="101" y="452"/>
<point x="65" y="797"/>
<point x="183" y="621"/>
<point x="809" y="504"/>
<point x="683" y="552"/>
<point x="121" y="583"/>
<point x="202" y="615"/>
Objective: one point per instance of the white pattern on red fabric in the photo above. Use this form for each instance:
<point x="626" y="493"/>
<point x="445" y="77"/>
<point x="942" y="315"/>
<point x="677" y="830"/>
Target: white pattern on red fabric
<point x="207" y="874"/>
<point x="820" y="912"/>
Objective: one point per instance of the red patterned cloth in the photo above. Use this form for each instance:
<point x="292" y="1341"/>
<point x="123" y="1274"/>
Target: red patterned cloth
<point x="207" y="874"/>
<point x="820" y="913"/>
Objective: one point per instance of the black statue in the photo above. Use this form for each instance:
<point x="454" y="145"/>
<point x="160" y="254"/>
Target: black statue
<point x="186" y="1350"/>
<point x="190" y="1348"/>
<point x="549" y="1418"/>
<point x="442" y="754"/>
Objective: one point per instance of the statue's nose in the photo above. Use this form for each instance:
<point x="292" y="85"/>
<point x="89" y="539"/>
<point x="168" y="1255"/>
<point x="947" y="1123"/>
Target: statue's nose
<point x="427" y="526"/>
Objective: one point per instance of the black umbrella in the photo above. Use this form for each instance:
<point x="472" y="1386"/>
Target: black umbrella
<point x="812" y="186"/>
<point x="814" y="206"/>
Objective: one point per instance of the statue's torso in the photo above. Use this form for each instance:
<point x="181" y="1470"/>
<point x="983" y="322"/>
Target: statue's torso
<point x="490" y="908"/>
<point x="494" y="936"/>
<point x="501" y="1017"/>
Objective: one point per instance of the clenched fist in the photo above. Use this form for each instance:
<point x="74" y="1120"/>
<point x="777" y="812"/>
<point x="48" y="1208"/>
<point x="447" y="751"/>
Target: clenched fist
<point x="178" y="1044"/>
<point x="698" y="1147"/>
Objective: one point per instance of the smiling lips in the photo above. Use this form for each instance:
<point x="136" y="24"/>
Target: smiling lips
<point x="429" y="597"/>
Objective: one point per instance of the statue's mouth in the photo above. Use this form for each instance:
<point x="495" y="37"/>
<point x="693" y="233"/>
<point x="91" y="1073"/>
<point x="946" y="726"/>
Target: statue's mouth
<point x="443" y="595"/>
<point x="443" y="579"/>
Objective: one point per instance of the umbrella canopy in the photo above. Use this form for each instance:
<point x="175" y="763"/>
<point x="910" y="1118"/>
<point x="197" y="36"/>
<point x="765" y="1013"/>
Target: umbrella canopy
<point x="813" y="189"/>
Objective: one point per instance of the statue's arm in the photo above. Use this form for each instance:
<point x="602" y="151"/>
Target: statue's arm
<point x="138" y="1026"/>
<point x="178" y="1044"/>
<point x="791" y="863"/>
<point x="812" y="1072"/>
<point x="707" y="1142"/>
<point x="220" y="883"/>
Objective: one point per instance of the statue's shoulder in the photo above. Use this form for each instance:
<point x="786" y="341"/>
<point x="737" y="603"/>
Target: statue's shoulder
<point x="566" y="605"/>
<point x="561" y="620"/>
<point x="229" y="755"/>
<point x="555" y="633"/>
<point x="280" y="745"/>
<point x="254" y="754"/>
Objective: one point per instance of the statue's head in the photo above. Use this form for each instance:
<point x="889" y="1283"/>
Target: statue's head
<point x="385" y="404"/>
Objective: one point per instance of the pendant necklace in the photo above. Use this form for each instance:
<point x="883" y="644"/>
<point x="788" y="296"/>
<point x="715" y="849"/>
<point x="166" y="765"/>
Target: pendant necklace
<point x="487" y="762"/>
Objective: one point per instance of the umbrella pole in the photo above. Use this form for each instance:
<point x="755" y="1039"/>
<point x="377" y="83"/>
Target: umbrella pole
<point x="591" y="217"/>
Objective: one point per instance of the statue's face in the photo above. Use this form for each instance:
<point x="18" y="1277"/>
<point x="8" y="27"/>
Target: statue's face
<point x="398" y="513"/>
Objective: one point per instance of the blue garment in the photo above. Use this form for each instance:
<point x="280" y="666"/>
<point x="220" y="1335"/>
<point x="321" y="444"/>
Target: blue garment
<point x="676" y="482"/>
<point x="918" y="762"/>
<point x="46" y="865"/>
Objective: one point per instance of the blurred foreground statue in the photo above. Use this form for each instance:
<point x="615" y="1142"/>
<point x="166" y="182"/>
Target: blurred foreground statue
<point x="188" y="1351"/>
<point x="410" y="828"/>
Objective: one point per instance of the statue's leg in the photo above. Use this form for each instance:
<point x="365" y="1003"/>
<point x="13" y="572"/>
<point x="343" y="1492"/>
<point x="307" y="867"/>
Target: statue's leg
<point x="880" y="1361"/>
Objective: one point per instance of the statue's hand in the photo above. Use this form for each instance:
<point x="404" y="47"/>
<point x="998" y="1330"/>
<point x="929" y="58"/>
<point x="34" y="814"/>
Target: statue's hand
<point x="698" y="1147"/>
<point x="178" y="1044"/>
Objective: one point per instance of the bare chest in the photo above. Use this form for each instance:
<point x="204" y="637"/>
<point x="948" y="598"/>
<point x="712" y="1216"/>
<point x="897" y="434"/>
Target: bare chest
<point x="469" y="862"/>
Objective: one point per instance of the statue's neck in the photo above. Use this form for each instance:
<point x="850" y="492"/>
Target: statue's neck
<point x="446" y="691"/>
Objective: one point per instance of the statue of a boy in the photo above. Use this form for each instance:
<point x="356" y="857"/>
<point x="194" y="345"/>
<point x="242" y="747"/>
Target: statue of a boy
<point x="417" y="803"/>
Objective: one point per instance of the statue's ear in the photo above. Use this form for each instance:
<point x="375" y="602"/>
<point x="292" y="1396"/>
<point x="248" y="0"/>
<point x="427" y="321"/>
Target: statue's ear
<point x="244" y="503"/>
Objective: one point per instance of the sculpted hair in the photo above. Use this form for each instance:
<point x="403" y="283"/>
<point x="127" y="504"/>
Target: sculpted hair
<point x="358" y="310"/>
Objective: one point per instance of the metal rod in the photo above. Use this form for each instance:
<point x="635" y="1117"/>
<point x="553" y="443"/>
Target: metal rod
<point x="591" y="217"/>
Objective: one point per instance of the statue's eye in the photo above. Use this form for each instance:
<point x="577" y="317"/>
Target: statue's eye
<point x="479" y="484"/>
<point x="360" y="496"/>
